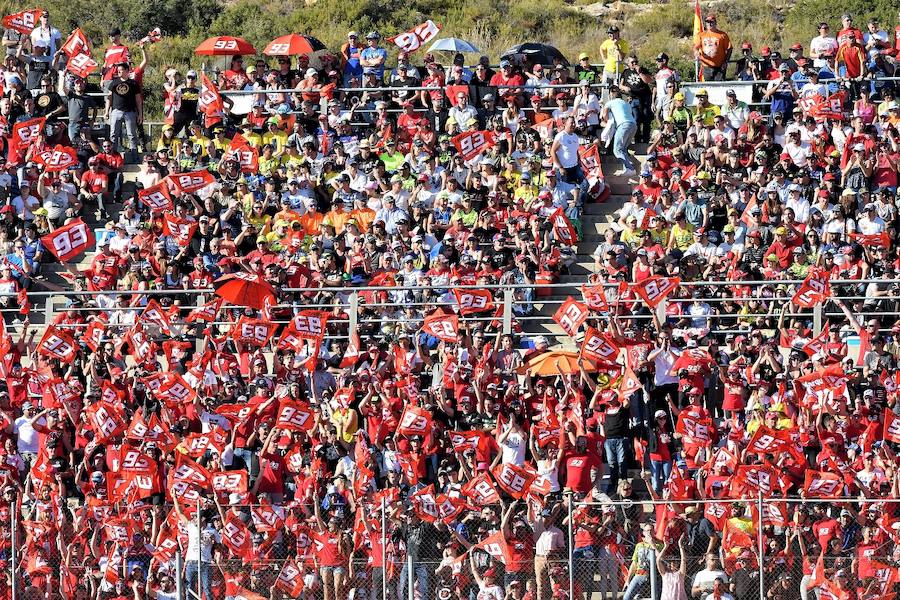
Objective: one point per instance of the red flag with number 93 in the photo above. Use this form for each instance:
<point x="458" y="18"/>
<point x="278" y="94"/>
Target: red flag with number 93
<point x="69" y="241"/>
<point x="472" y="143"/>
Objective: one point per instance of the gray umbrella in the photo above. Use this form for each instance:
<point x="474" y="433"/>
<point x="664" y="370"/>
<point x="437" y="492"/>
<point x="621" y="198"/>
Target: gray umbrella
<point x="453" y="45"/>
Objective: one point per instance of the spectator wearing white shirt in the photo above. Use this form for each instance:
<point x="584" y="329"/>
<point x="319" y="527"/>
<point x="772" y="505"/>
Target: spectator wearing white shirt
<point x="870" y="223"/>
<point x="798" y="203"/>
<point x="735" y="111"/>
<point x="874" y="39"/>
<point x="701" y="246"/>
<point x="463" y="112"/>
<point x="46" y="35"/>
<point x="821" y="46"/>
<point x="797" y="149"/>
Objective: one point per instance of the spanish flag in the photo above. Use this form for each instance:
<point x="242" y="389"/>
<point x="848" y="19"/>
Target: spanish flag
<point x="698" y="22"/>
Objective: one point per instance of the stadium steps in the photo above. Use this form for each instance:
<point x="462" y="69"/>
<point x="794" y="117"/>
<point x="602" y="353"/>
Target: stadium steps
<point x="53" y="279"/>
<point x="594" y="223"/>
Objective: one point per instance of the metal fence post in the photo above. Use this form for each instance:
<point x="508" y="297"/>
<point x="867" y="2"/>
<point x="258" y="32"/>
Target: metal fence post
<point x="353" y="314"/>
<point x="654" y="592"/>
<point x="410" y="583"/>
<point x="14" y="554"/>
<point x="759" y="543"/>
<point x="571" y="531"/>
<point x="179" y="567"/>
<point x="199" y="554"/>
<point x="384" y="569"/>
<point x="507" y="310"/>
<point x="48" y="310"/>
<point x="817" y="319"/>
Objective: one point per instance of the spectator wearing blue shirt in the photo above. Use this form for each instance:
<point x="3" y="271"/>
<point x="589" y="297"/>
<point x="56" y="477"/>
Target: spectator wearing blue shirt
<point x="20" y="268"/>
<point x="352" y="53"/>
<point x="373" y="55"/>
<point x="34" y="250"/>
<point x="617" y="113"/>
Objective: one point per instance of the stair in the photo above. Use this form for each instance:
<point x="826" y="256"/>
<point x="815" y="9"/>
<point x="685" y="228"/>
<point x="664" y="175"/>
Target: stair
<point x="44" y="307"/>
<point x="594" y="222"/>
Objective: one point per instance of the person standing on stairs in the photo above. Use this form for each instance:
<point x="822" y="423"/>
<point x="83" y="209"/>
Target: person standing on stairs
<point x="619" y="113"/>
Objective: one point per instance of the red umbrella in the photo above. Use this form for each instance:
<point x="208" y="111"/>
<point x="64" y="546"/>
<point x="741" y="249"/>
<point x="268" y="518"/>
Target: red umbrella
<point x="293" y="43"/>
<point x="245" y="289"/>
<point x="224" y="45"/>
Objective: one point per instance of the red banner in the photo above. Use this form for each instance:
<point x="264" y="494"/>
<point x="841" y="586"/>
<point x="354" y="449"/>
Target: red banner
<point x="188" y="183"/>
<point x="81" y="65"/>
<point x="442" y="326"/>
<point x="23" y="22"/>
<point x="295" y="415"/>
<point x="891" y="426"/>
<point x="415" y="421"/>
<point x="819" y="484"/>
<point x="768" y="441"/>
<point x="241" y="151"/>
<point x="472" y="143"/>
<point x="69" y="241"/>
<point x="210" y="101"/>
<point x="481" y="490"/>
<point x="156" y="197"/>
<point x="58" y="344"/>
<point x="181" y="230"/>
<point x="814" y="289"/>
<point x="58" y="158"/>
<point x="77" y="43"/>
<point x="599" y="346"/>
<point x="514" y="480"/>
<point x="571" y="316"/>
<point x="563" y="229"/>
<point x="595" y="297"/>
<point x="253" y="332"/>
<point x="473" y="301"/>
<point x="496" y="546"/>
<point x="23" y="134"/>
<point x="416" y="37"/>
<point x="653" y="290"/>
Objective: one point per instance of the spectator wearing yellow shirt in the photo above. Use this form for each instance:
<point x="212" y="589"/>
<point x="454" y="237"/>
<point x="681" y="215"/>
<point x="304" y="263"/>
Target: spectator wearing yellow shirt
<point x="253" y="138"/>
<point x="613" y="51"/>
<point x="682" y="235"/>
<point x="705" y="112"/>
<point x="268" y="162"/>
<point x="525" y="191"/>
<point x="275" y="136"/>
<point x="196" y="137"/>
<point x="631" y="235"/>
<point x="465" y="213"/>
<point x="221" y="142"/>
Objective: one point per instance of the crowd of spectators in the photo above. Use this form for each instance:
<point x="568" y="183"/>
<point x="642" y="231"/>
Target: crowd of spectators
<point x="282" y="454"/>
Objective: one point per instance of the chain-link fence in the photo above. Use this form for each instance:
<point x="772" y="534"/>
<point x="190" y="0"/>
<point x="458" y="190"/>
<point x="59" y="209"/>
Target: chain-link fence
<point x="414" y="544"/>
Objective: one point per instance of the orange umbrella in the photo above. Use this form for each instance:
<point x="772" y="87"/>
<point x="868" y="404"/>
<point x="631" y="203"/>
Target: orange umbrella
<point x="555" y="362"/>
<point x="224" y="45"/>
<point x="293" y="43"/>
<point x="245" y="289"/>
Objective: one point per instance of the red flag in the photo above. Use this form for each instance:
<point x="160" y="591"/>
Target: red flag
<point x="472" y="143"/>
<point x="473" y="301"/>
<point x="206" y="312"/>
<point x="814" y="289"/>
<point x="210" y="101"/>
<point x="571" y="316"/>
<point x="81" y="65"/>
<point x="253" y="332"/>
<point x="58" y="158"/>
<point x="442" y="326"/>
<point x="496" y="546"/>
<point x="352" y="354"/>
<point x="58" y="344"/>
<point x="24" y="304"/>
<point x="105" y="420"/>
<point x="819" y="342"/>
<point x="290" y="579"/>
<point x="629" y="383"/>
<point x="589" y="158"/>
<point x="193" y="181"/>
<point x="694" y="431"/>
<point x="481" y="490"/>
<point x="416" y="37"/>
<point x="819" y="484"/>
<point x="880" y="240"/>
<point x="156" y="197"/>
<point x="514" y="480"/>
<point x="77" y="43"/>
<point x="241" y="151"/>
<point x="563" y="229"/>
<point x="768" y="441"/>
<point x="23" y="134"/>
<point x="188" y="471"/>
<point x="24" y="21"/>
<point x="891" y="426"/>
<point x="415" y="421"/>
<point x="595" y="297"/>
<point x="831" y="107"/>
<point x="295" y="415"/>
<point x="599" y="346"/>
<point x="181" y="230"/>
<point x="236" y="536"/>
<point x="654" y="289"/>
<point x="69" y="241"/>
